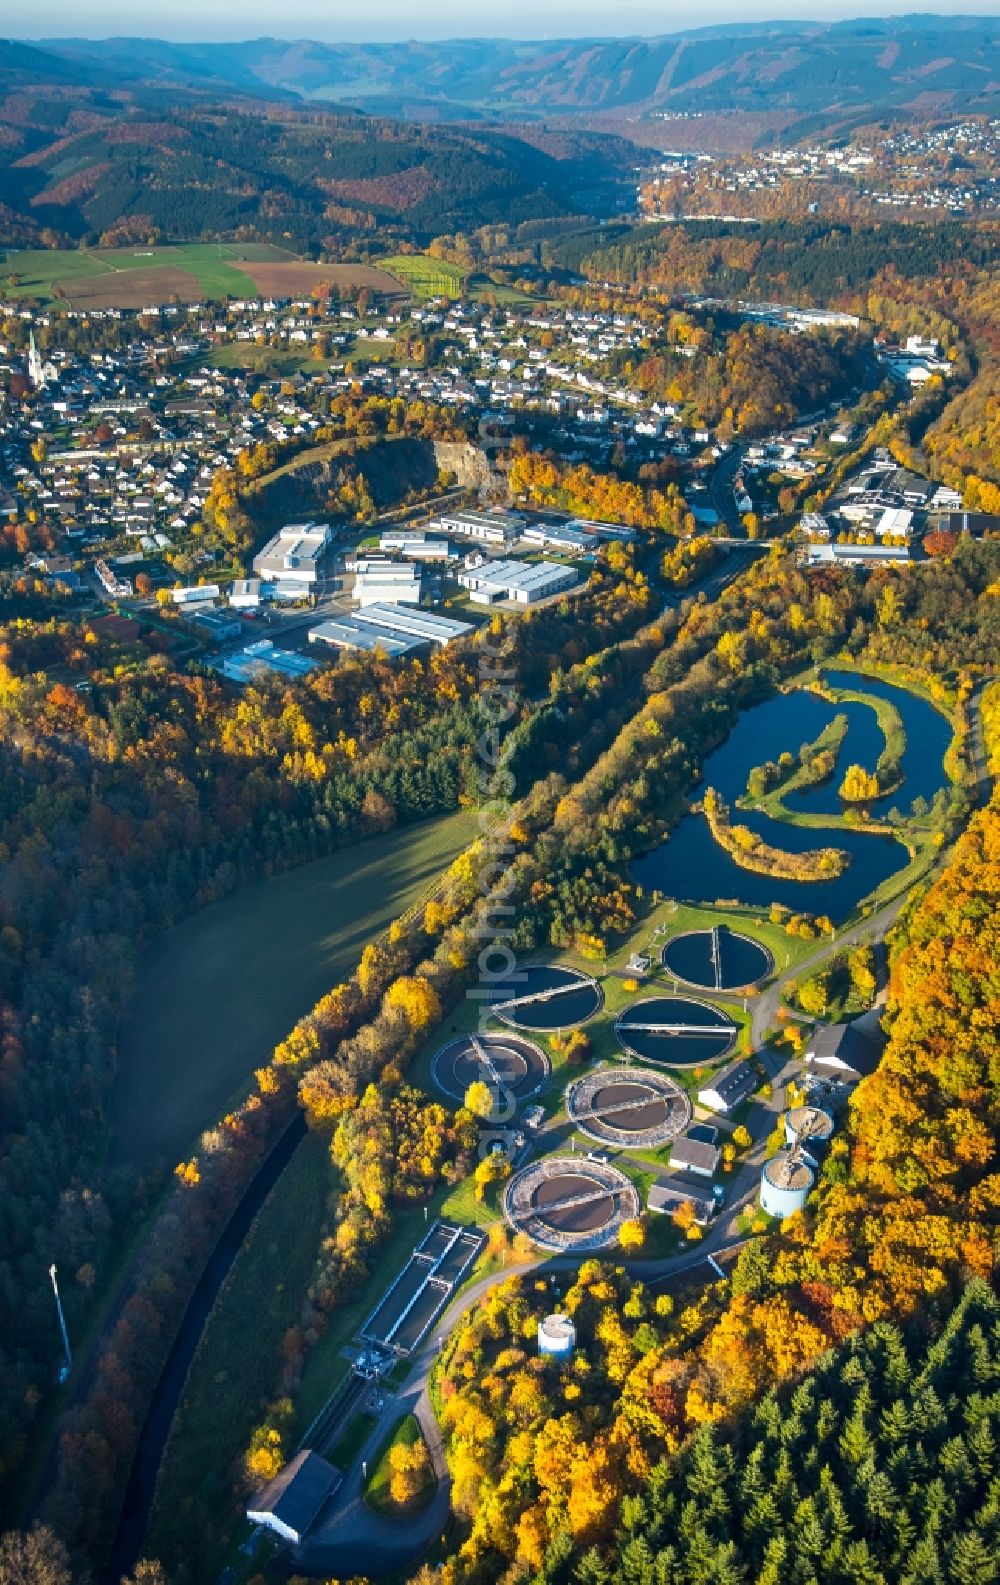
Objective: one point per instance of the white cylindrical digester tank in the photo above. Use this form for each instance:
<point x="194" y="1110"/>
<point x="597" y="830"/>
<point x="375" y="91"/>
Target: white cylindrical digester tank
<point x="809" y="1126"/>
<point x="556" y="1336"/>
<point x="785" y="1184"/>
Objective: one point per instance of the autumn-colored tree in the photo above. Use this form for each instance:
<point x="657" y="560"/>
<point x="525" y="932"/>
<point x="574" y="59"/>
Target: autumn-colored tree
<point x="417" y="999"/>
<point x="631" y="1234"/>
<point x="479" y="1099"/>
<point x="859" y="785"/>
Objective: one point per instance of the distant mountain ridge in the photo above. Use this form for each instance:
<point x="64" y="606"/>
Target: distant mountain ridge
<point x="919" y="62"/>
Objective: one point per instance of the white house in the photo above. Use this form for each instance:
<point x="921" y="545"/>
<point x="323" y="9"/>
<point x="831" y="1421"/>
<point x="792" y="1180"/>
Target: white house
<point x="729" y="1088"/>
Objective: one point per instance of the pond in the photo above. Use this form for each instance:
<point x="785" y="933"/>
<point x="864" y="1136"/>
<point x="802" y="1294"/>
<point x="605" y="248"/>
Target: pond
<point x="691" y="866"/>
<point x="928" y="734"/>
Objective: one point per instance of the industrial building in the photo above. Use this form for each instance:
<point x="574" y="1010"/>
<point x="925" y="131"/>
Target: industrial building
<point x="290" y="1503"/>
<point x="256" y="660"/>
<point x="354" y="632"/>
<point x="245" y="594"/>
<point x="730" y="1087"/>
<point x="785" y="1183"/>
<point x="294" y="557"/>
<point x="560" y="536"/>
<point x="895" y="522"/>
<point x="377" y="581"/>
<point x="857" y="555"/>
<point x="393" y="629"/>
<point x="487" y="528"/>
<point x="843" y="1052"/>
<point x="521" y="582"/>
<point x="196" y="594"/>
<point x="556" y="1336"/>
<point x="219" y="625"/>
<point x="588" y="525"/>
<point x="417" y="547"/>
<point x="667" y="1195"/>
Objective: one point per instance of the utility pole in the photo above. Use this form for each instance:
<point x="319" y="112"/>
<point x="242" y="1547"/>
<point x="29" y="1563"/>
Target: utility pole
<point x="68" y="1362"/>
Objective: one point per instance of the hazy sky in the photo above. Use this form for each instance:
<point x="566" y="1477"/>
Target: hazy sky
<point x="400" y="19"/>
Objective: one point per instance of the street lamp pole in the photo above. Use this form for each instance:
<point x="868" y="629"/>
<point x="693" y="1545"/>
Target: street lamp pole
<point x="64" y="1372"/>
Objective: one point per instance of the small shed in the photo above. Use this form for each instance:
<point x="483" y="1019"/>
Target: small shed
<point x="290" y="1503"/>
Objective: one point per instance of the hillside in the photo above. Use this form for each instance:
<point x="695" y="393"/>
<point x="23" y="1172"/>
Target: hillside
<point x="81" y="160"/>
<point x="919" y="63"/>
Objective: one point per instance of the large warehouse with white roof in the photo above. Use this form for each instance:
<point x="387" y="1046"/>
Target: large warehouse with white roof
<point x="396" y="630"/>
<point x="522" y="582"/>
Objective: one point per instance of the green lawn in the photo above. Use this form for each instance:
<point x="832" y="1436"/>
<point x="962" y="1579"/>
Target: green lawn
<point x="351" y="1440"/>
<point x="234" y="1370"/>
<point x="426" y="277"/>
<point x="215" y="995"/>
<point x="405" y="1433"/>
<point x="274" y="361"/>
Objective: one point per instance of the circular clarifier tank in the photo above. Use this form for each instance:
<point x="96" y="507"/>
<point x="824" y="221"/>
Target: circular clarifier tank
<point x="546" y="997"/>
<point x="675" y="1032"/>
<point x="718" y="959"/>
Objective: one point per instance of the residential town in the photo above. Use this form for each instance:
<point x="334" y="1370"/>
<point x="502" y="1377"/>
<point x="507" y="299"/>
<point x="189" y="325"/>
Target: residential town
<point x="944" y="170"/>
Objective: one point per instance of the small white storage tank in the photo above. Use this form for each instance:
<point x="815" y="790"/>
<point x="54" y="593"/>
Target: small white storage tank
<point x="556" y="1336"/>
<point x="785" y="1183"/>
<point x="809" y="1126"/>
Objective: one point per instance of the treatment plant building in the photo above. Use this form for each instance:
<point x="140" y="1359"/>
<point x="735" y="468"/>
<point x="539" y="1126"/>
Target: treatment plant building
<point x="730" y="1088"/>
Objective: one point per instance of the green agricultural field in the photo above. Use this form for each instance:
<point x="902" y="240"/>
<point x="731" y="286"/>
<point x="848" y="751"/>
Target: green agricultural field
<point x="51" y="274"/>
<point x="258" y="253"/>
<point x="237" y="1359"/>
<point x="426" y="277"/>
<point x="214" y="269"/>
<point x="39" y="270"/>
<point x="215" y="995"/>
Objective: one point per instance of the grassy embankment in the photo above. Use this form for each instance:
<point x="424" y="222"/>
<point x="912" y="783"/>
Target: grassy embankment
<point x="813" y="764"/>
<point x="226" y="1391"/>
<point x="236" y="1365"/>
<point x="750" y="852"/>
<point x="888" y="768"/>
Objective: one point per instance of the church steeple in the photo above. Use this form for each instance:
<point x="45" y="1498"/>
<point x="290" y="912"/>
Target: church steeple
<point x="36" y="372"/>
